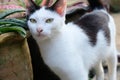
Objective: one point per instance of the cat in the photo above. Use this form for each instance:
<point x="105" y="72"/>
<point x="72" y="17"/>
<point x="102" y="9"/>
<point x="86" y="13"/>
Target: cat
<point x="40" y="69"/>
<point x="71" y="50"/>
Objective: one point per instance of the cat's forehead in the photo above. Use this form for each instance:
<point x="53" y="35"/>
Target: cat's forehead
<point x="43" y="12"/>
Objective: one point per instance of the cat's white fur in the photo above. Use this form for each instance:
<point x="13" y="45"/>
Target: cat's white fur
<point x="66" y="48"/>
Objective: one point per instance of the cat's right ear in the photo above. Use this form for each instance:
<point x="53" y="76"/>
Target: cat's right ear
<point x="60" y="7"/>
<point x="30" y="6"/>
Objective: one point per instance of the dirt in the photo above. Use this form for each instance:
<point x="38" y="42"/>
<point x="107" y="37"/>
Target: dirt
<point x="117" y="22"/>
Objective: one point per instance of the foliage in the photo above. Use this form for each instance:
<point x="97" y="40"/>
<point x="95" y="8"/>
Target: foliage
<point x="38" y="2"/>
<point x="21" y="2"/>
<point x="12" y="25"/>
<point x="9" y="12"/>
<point x="17" y="29"/>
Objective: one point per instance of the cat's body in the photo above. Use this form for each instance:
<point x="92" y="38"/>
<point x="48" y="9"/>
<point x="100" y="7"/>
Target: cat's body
<point x="71" y="50"/>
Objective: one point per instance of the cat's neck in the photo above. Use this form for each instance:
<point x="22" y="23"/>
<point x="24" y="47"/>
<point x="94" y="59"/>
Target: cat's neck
<point x="55" y="35"/>
<point x="53" y="42"/>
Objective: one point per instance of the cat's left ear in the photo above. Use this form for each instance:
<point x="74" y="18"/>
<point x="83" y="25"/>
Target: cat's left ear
<point x="60" y="7"/>
<point x="30" y="6"/>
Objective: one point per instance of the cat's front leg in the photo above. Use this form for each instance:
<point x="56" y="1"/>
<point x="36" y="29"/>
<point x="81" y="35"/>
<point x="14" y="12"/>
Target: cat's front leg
<point x="99" y="71"/>
<point x="112" y="66"/>
<point x="80" y="74"/>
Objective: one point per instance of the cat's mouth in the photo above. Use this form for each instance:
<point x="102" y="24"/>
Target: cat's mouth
<point x="40" y="35"/>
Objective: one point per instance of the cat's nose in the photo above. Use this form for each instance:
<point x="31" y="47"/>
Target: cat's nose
<point x="39" y="30"/>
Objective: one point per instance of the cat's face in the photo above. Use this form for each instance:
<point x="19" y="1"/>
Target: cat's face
<point x="44" y="22"/>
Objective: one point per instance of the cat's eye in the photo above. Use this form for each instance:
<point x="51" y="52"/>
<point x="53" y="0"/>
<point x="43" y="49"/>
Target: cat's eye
<point x="49" y="20"/>
<point x="33" y="20"/>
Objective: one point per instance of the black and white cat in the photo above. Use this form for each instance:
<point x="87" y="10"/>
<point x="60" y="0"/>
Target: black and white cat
<point x="71" y="50"/>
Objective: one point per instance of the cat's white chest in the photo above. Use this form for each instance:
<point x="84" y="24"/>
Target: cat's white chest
<point x="62" y="59"/>
<point x="62" y="52"/>
<point x="58" y="51"/>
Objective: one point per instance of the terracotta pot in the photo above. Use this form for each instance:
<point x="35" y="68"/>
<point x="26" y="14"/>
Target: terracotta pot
<point x="15" y="61"/>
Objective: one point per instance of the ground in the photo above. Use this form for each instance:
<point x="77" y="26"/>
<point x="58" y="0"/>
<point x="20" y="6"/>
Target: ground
<point x="117" y="21"/>
<point x="116" y="17"/>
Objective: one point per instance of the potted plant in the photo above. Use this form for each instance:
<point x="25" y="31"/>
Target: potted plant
<point x="15" y="61"/>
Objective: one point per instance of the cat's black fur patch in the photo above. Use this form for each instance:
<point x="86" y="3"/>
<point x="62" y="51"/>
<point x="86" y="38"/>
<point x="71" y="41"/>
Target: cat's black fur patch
<point x="50" y="8"/>
<point x="93" y="23"/>
<point x="27" y="16"/>
<point x="32" y="10"/>
<point x="74" y="15"/>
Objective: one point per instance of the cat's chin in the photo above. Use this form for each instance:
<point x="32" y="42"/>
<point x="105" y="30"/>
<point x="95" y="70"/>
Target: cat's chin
<point x="41" y="37"/>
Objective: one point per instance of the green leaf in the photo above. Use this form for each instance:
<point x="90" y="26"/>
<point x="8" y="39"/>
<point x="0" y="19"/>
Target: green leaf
<point x="17" y="29"/>
<point x="15" y="22"/>
<point x="38" y="2"/>
<point x="9" y="12"/>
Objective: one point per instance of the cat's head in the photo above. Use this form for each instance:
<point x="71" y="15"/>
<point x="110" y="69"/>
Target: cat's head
<point x="45" y="20"/>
